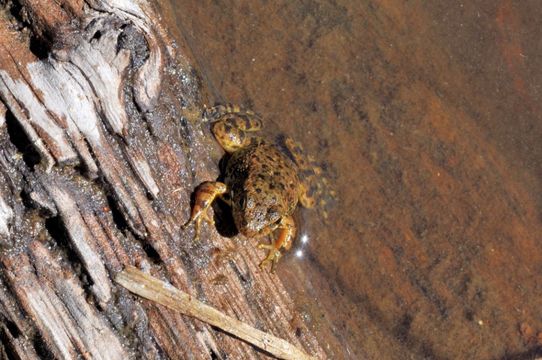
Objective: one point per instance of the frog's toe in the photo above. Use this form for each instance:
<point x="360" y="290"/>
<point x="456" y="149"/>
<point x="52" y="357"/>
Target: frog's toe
<point x="204" y="216"/>
<point x="306" y="196"/>
<point x="208" y="219"/>
<point x="197" y="224"/>
<point x="196" y="227"/>
<point x="187" y="224"/>
<point x="272" y="257"/>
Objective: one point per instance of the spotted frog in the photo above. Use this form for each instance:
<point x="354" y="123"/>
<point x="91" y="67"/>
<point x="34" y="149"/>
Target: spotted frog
<point x="263" y="183"/>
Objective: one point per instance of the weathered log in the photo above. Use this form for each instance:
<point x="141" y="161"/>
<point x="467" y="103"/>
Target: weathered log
<point x="99" y="124"/>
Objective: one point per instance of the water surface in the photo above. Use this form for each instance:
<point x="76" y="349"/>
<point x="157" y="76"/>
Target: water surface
<point x="426" y="118"/>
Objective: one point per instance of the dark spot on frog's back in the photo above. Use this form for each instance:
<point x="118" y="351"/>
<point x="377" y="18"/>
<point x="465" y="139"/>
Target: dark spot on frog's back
<point x="248" y="125"/>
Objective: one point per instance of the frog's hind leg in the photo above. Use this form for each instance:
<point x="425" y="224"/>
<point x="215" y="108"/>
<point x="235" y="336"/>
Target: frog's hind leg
<point x="310" y="174"/>
<point x="287" y="230"/>
<point x="232" y="129"/>
<point x="205" y="194"/>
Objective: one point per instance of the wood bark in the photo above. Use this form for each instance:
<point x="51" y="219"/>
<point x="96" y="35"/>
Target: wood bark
<point x="101" y="145"/>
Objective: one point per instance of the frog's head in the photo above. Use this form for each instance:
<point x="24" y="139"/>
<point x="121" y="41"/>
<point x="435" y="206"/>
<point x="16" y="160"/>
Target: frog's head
<point x="255" y="215"/>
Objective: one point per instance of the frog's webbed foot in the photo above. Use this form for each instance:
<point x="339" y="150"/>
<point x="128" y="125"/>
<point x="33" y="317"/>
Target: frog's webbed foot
<point x="287" y="231"/>
<point x="197" y="223"/>
<point x="272" y="257"/>
<point x="233" y="125"/>
<point x="205" y="194"/>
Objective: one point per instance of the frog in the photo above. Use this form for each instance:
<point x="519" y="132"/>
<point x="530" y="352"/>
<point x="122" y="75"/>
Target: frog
<point x="263" y="183"/>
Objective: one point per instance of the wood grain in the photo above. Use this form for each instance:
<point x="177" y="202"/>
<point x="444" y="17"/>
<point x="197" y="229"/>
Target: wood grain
<point x="101" y="146"/>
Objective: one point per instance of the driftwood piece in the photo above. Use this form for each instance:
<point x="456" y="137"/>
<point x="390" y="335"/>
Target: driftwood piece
<point x="99" y="124"/>
<point x="163" y="293"/>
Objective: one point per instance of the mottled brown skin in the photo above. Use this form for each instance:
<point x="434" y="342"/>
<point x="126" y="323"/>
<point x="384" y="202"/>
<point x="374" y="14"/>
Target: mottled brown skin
<point x="261" y="183"/>
<point x="264" y="187"/>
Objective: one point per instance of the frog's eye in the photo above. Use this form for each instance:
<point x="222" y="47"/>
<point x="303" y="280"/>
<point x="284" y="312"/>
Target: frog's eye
<point x="242" y="202"/>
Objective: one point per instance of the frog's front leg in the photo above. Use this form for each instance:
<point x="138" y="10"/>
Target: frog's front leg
<point x="205" y="194"/>
<point x="220" y="110"/>
<point x="287" y="230"/>
<point x="232" y="127"/>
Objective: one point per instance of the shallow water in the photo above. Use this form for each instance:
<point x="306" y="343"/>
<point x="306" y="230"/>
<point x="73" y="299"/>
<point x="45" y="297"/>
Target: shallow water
<point x="426" y="118"/>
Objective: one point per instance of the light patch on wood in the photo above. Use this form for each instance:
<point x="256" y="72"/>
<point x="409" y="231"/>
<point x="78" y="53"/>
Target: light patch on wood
<point x="70" y="101"/>
<point x="81" y="239"/>
<point x="3" y="111"/>
<point x="141" y="167"/>
<point x="97" y="339"/>
<point x="57" y="305"/>
<point x="49" y="318"/>
<point x="149" y="76"/>
<point x="6" y="216"/>
<point x="35" y="121"/>
<point x="38" y="118"/>
<point x="103" y="68"/>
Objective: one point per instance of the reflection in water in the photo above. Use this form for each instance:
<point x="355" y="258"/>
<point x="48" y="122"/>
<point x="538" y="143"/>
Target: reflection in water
<point x="303" y="239"/>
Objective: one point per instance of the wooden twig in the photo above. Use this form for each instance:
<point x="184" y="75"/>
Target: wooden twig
<point x="165" y="294"/>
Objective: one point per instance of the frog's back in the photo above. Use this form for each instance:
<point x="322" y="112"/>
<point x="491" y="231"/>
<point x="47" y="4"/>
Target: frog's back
<point x="265" y="172"/>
